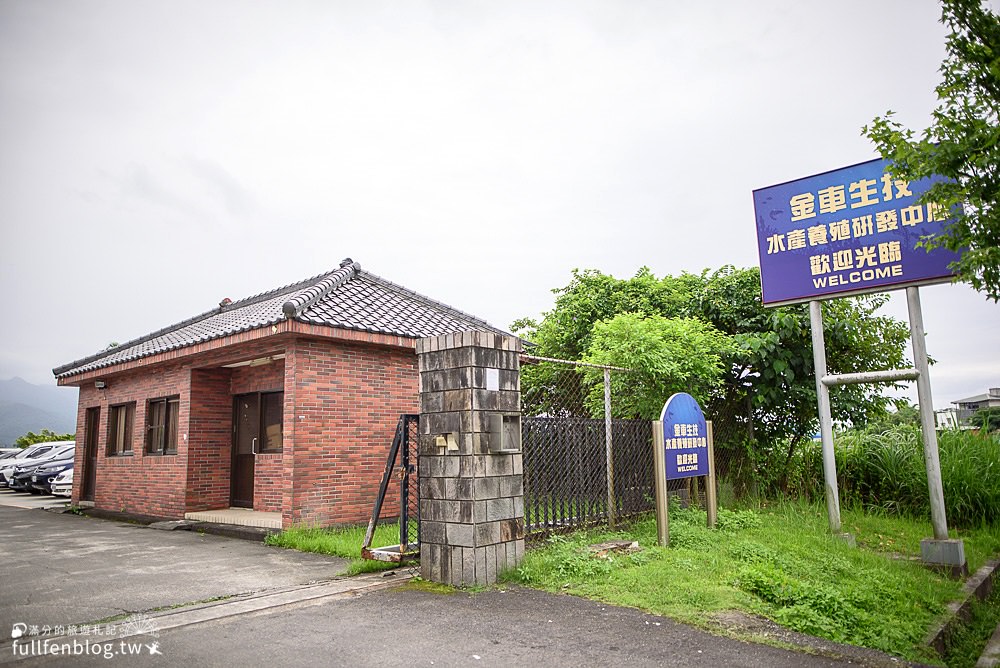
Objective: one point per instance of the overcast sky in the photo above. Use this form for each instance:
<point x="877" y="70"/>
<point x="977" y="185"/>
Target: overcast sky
<point x="159" y="156"/>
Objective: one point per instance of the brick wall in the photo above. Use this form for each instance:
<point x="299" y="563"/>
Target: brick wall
<point x="342" y="402"/>
<point x="209" y="439"/>
<point x="263" y="378"/>
<point x="267" y="483"/>
<point x="345" y="405"/>
<point x="137" y="483"/>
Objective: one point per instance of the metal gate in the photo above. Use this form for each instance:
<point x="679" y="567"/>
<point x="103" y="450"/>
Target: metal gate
<point x="400" y="478"/>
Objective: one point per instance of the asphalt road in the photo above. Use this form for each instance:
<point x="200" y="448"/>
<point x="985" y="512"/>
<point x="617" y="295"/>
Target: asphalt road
<point x="513" y="627"/>
<point x="57" y="570"/>
<point x="65" y="569"/>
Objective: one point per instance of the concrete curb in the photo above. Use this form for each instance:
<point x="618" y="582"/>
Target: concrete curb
<point x="990" y="658"/>
<point x="309" y="594"/>
<point x="256" y="534"/>
<point x="979" y="585"/>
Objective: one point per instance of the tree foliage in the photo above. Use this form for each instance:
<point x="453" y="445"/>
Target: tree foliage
<point x="666" y="355"/>
<point x="763" y="385"/>
<point x="962" y="143"/>
<point x="45" y="436"/>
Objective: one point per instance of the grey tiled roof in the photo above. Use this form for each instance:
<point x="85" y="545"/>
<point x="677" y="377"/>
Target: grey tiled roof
<point x="345" y="298"/>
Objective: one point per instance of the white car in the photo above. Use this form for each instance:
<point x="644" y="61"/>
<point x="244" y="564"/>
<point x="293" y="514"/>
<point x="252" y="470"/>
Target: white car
<point x="62" y="484"/>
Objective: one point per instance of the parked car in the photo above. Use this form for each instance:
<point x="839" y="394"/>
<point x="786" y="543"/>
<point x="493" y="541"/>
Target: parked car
<point x="36" y="449"/>
<point x="42" y="476"/>
<point x="35" y="454"/>
<point x="62" y="484"/>
<point x="22" y="477"/>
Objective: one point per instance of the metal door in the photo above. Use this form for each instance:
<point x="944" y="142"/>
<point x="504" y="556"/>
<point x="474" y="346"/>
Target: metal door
<point x="246" y="443"/>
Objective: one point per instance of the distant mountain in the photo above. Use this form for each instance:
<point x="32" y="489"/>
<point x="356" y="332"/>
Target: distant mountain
<point x="25" y="407"/>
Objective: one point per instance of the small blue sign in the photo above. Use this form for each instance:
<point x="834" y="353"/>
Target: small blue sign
<point x="847" y="231"/>
<point x="685" y="437"/>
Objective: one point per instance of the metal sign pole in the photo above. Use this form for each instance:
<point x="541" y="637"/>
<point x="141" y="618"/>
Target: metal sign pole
<point x="931" y="460"/>
<point x="660" y="485"/>
<point x="710" y="498"/>
<point x="825" y="416"/>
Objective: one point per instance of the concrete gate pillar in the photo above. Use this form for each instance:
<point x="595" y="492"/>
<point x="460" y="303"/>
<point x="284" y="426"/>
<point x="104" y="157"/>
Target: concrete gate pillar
<point x="470" y="468"/>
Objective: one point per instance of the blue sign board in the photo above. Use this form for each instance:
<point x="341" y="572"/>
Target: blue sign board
<point x="847" y="231"/>
<point x="685" y="437"/>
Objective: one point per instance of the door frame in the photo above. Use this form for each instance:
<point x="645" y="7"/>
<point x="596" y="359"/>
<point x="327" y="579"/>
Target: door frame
<point x="91" y="430"/>
<point x="235" y="469"/>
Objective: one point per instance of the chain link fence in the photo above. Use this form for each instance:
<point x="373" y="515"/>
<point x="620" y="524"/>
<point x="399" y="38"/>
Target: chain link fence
<point x="736" y="461"/>
<point x="582" y="465"/>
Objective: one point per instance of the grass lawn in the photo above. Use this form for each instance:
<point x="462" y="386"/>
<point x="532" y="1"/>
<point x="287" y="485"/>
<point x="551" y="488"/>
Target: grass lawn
<point x="344" y="542"/>
<point x="777" y="561"/>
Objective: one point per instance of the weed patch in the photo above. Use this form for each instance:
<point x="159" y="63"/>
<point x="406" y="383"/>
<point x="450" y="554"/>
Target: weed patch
<point x="344" y="542"/>
<point x="778" y="561"/>
<point x="967" y="642"/>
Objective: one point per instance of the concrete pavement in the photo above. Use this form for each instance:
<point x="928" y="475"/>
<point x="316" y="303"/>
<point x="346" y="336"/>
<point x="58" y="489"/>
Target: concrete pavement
<point x="62" y="569"/>
<point x="13" y="499"/>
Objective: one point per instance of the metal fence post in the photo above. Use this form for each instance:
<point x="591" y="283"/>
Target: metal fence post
<point x="825" y="417"/>
<point x="607" y="447"/>
<point x="931" y="458"/>
<point x="660" y="486"/>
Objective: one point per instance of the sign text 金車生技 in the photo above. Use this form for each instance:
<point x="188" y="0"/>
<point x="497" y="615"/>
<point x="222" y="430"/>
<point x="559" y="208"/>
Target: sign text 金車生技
<point x="847" y="231"/>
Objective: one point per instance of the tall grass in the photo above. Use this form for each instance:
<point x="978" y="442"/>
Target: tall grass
<point x="885" y="470"/>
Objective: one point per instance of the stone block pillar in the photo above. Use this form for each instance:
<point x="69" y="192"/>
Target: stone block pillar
<point x="470" y="468"/>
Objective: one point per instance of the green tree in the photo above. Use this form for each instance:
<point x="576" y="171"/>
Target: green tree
<point x="45" y="436"/>
<point x="565" y="332"/>
<point x="767" y="389"/>
<point x="770" y="389"/>
<point x="962" y="143"/>
<point x="667" y="355"/>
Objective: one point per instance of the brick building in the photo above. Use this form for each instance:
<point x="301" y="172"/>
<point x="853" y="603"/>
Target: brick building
<point x="285" y="402"/>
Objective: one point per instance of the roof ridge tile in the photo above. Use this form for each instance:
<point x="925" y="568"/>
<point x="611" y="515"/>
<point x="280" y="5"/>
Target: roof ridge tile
<point x="305" y="298"/>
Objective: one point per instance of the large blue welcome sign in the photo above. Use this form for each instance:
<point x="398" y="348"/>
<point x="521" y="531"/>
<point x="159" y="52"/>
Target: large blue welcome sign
<point x="685" y="437"/>
<point x="847" y="231"/>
